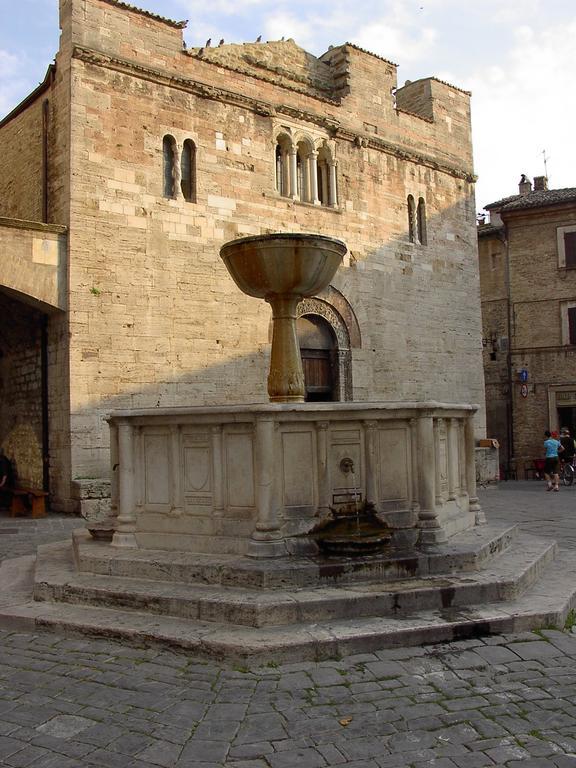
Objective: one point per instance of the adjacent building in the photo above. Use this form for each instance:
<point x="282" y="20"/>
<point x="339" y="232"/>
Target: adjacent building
<point x="527" y="257"/>
<point x="125" y="171"/>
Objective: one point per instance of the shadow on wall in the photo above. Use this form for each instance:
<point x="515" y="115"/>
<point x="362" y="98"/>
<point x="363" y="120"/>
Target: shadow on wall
<point x="411" y="303"/>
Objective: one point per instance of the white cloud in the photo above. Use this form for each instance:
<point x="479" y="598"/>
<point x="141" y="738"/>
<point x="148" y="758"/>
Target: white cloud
<point x="522" y="107"/>
<point x="12" y="85"/>
<point x="402" y="45"/>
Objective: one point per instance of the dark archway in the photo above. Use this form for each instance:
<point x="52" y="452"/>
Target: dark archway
<point x="319" y="351"/>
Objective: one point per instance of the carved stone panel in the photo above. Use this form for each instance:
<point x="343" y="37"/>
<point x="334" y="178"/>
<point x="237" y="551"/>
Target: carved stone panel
<point x="197" y="469"/>
<point x="347" y="477"/>
<point x="298" y="468"/>
<point x="394" y="457"/>
<point x="157" y="470"/>
<point x="239" y="470"/>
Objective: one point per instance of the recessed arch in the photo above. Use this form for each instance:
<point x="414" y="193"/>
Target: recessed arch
<point x="169" y="166"/>
<point x="341" y="354"/>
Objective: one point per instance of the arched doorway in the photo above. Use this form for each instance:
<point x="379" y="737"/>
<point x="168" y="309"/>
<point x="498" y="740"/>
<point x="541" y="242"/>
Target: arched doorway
<point x="318" y="349"/>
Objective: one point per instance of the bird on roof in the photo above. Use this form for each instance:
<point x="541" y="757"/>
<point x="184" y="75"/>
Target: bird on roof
<point x="221" y="42"/>
<point x="208" y="43"/>
<point x="259" y="39"/>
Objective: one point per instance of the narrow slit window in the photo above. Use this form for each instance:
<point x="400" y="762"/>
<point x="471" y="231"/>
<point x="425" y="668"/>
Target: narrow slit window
<point x="188" y="171"/>
<point x="169" y="166"/>
<point x="411" y="219"/>
<point x="421" y="217"/>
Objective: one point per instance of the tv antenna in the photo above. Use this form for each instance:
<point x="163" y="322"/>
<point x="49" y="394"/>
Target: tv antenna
<point x="545" y="159"/>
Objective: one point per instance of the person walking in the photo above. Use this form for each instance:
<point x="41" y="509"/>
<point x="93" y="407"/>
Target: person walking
<point x="552" y="448"/>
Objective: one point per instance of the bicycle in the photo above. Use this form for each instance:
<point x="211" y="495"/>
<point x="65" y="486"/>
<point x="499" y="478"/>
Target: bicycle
<point x="568" y="471"/>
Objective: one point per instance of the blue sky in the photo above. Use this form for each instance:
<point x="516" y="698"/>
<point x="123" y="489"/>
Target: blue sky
<point x="518" y="57"/>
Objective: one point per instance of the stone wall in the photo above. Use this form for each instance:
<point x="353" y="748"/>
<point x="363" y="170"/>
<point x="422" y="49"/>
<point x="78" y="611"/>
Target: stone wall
<point x="21" y="165"/>
<point x="20" y="390"/>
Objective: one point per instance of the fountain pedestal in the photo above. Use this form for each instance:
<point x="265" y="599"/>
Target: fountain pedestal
<point x="283" y="269"/>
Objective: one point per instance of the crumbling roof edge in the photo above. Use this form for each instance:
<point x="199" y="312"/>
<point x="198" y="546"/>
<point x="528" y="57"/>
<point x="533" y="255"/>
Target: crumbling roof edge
<point x="142" y="12"/>
<point x="362" y="50"/>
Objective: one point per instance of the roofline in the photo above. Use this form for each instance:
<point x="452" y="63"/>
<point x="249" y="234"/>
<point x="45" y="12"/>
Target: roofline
<point x="149" y="14"/>
<point x="38" y="91"/>
<point x="437" y="80"/>
<point x="535" y="208"/>
<point x="362" y="50"/>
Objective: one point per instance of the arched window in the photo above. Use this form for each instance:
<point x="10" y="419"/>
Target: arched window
<point x="421" y="217"/>
<point x="411" y="219"/>
<point x="282" y="165"/>
<point x="169" y="166"/>
<point x="326" y="172"/>
<point x="319" y="352"/>
<point x="188" y="171"/>
<point x="303" y="172"/>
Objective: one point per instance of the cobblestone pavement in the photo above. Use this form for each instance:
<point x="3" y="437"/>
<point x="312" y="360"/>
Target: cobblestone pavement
<point x="508" y="701"/>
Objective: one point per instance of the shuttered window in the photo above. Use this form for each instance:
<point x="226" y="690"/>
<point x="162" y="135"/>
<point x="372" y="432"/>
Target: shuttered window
<point x="570" y="249"/>
<point x="572" y="325"/>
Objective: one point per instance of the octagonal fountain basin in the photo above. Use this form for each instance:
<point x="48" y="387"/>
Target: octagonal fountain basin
<point x="283" y="263"/>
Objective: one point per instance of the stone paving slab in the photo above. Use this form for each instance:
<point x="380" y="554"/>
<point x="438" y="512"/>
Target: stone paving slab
<point x="143" y="707"/>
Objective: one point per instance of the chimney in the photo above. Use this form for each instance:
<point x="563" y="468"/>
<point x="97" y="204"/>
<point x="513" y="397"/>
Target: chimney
<point x="525" y="185"/>
<point x="540" y="183"/>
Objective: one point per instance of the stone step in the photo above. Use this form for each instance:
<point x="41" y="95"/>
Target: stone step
<point x="546" y="603"/>
<point x="503" y="578"/>
<point x="465" y="552"/>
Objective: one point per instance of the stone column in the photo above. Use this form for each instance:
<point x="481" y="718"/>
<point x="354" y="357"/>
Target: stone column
<point x="177" y="496"/>
<point x="124" y="535"/>
<point x="293" y="172"/>
<point x="371" y="468"/>
<point x="323" y="477"/>
<point x="438" y="476"/>
<point x="431" y="531"/>
<point x="462" y="455"/>
<point x="333" y="199"/>
<point x="114" y="471"/>
<point x="452" y="440"/>
<point x="313" y="175"/>
<point x="217" y="474"/>
<point x="286" y="376"/>
<point x="266" y="539"/>
<point x="470" y="448"/>
<point x="414" y="463"/>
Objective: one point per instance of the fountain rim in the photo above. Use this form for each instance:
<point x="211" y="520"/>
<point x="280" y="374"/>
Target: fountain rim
<point x="270" y="238"/>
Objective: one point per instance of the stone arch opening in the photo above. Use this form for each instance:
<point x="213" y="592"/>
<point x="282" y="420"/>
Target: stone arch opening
<point x="323" y="336"/>
<point x="319" y="352"/>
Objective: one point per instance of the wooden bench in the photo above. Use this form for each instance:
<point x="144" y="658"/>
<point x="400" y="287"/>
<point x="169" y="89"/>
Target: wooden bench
<point x="25" y="500"/>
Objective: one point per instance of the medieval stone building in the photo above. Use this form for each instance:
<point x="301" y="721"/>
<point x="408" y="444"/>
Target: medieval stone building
<point x="124" y="172"/>
<point x="528" y="282"/>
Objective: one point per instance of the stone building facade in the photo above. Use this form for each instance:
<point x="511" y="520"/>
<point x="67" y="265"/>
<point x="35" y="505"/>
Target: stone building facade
<point x="151" y="156"/>
<point x="528" y="285"/>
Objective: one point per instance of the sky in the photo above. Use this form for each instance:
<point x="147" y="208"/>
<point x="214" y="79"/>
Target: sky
<point x="518" y="57"/>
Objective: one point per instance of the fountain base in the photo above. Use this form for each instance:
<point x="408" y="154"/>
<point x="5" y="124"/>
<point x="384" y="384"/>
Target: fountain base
<point x="353" y="530"/>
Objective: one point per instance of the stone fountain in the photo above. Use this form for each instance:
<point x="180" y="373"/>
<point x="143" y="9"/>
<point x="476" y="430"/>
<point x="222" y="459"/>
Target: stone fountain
<point x="258" y="479"/>
<point x="292" y="530"/>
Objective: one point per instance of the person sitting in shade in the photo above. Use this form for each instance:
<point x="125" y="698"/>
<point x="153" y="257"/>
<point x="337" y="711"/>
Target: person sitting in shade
<point x="6" y="479"/>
